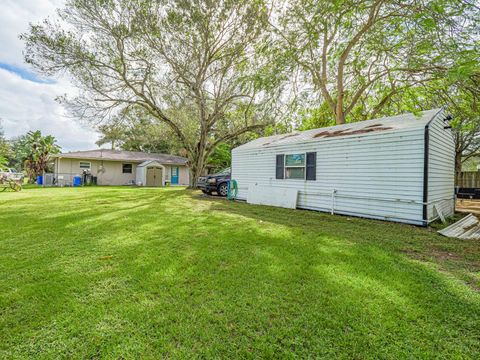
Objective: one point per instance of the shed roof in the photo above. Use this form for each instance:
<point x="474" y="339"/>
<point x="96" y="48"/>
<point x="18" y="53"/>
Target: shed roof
<point x="149" y="162"/>
<point x="120" y="155"/>
<point x="384" y="125"/>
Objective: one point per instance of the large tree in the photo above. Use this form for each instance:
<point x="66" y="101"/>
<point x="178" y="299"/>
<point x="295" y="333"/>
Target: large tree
<point x="193" y="65"/>
<point x="136" y="130"/>
<point x="358" y="54"/>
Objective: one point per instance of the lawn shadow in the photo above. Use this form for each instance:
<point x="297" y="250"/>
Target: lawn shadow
<point x="178" y="272"/>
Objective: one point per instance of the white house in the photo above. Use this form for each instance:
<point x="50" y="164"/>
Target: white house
<point x="116" y="167"/>
<point x="399" y="168"/>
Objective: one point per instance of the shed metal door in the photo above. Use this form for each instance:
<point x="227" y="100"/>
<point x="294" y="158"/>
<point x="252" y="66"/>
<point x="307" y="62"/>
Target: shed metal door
<point x="154" y="176"/>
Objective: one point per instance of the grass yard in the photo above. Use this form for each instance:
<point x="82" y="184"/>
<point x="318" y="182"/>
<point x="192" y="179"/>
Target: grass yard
<point x="165" y="273"/>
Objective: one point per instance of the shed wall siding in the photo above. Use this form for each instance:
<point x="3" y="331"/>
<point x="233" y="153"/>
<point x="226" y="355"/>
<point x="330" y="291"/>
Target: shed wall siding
<point x="375" y="175"/>
<point x="441" y="169"/>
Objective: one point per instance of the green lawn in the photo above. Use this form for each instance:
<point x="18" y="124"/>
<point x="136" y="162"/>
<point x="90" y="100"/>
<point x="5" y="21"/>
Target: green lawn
<point x="154" y="273"/>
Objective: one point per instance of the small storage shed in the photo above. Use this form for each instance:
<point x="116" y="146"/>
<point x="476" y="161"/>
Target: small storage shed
<point x="150" y="173"/>
<point x="399" y="168"/>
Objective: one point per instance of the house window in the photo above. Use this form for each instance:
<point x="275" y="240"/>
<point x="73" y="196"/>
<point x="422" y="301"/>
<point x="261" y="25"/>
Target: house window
<point x="295" y="166"/>
<point x="85" y="165"/>
<point x="126" y="168"/>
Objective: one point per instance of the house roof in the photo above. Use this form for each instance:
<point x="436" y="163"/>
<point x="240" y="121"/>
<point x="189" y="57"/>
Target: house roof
<point x="120" y="155"/>
<point x="385" y="124"/>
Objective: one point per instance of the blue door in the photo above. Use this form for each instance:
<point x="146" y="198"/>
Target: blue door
<point x="174" y="180"/>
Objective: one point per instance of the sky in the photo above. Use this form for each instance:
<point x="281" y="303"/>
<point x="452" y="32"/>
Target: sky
<point x="27" y="100"/>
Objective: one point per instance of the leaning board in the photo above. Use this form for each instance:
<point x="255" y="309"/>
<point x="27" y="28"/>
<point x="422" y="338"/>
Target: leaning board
<point x="272" y="196"/>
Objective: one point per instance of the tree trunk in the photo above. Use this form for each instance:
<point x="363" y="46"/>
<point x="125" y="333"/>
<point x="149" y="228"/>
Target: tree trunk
<point x="197" y="164"/>
<point x="340" y="117"/>
<point x="458" y="166"/>
<point x="195" y="173"/>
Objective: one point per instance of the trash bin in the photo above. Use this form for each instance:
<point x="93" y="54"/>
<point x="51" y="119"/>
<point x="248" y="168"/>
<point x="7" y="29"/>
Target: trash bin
<point x="77" y="181"/>
<point x="39" y="180"/>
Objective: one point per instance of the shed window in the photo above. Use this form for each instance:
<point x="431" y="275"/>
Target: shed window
<point x="85" y="165"/>
<point x="126" y="168"/>
<point x="295" y="166"/>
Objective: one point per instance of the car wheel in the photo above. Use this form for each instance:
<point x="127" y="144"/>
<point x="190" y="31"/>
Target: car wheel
<point x="222" y="189"/>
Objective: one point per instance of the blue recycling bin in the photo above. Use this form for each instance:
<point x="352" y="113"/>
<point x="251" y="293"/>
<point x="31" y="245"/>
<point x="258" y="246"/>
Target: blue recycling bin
<point x="77" y="181"/>
<point x="39" y="180"/>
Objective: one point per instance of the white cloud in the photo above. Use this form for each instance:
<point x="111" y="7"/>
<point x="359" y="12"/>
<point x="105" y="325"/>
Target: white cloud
<point x="15" y="15"/>
<point x="27" y="105"/>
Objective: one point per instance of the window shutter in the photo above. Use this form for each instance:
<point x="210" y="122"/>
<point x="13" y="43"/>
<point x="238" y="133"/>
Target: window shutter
<point x="311" y="166"/>
<point x="280" y="166"/>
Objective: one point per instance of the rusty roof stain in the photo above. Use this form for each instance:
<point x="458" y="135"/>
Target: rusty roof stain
<point x="367" y="129"/>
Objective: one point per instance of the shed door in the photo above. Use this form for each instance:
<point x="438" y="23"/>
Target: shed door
<point x="154" y="176"/>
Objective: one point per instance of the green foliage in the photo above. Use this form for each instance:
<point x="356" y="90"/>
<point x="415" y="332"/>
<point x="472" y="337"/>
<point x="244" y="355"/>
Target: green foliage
<point x="315" y="118"/>
<point x="460" y="96"/>
<point x="148" y="137"/>
<point x="357" y="56"/>
<point x="19" y="152"/>
<point x="111" y="134"/>
<point x="221" y="157"/>
<point x="135" y="130"/>
<point x="3" y="162"/>
<point x="5" y="149"/>
<point x="128" y="273"/>
<point x="34" y="149"/>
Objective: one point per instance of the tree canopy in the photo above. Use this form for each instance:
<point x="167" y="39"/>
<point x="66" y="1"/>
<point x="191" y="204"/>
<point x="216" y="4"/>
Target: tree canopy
<point x="199" y="74"/>
<point x="191" y="65"/>
<point x="355" y="56"/>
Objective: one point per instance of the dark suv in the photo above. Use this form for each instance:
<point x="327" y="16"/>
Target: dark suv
<point x="215" y="183"/>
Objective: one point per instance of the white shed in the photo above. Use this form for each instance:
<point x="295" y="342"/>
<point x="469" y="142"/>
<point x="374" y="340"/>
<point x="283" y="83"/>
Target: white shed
<point x="150" y="173"/>
<point x="399" y="168"/>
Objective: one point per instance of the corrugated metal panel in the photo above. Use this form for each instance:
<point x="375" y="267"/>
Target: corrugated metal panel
<point x="466" y="228"/>
<point x="441" y="170"/>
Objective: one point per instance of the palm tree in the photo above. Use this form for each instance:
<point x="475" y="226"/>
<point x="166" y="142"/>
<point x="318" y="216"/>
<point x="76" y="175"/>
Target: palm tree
<point x="38" y="150"/>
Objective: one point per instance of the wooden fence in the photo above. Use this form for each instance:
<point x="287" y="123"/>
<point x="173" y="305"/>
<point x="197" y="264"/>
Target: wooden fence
<point x="468" y="179"/>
